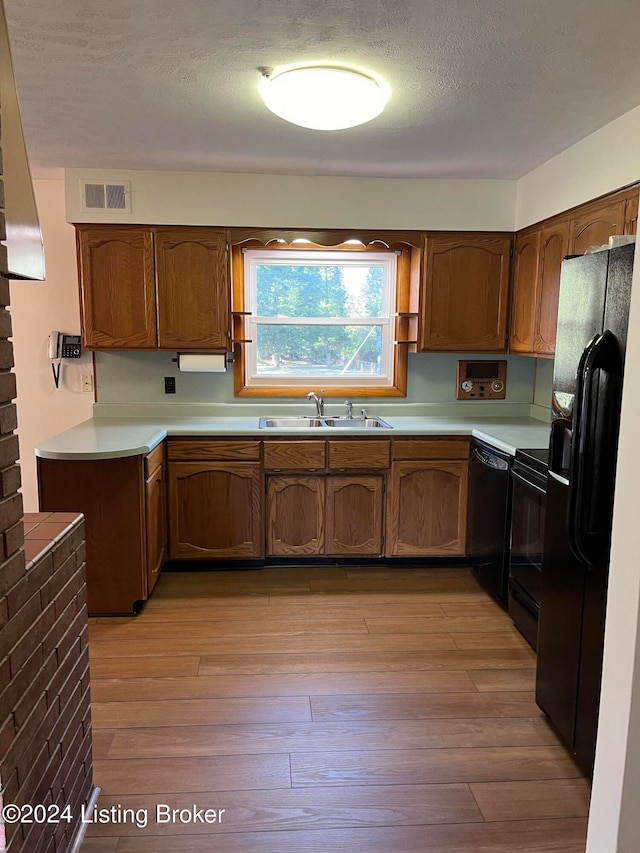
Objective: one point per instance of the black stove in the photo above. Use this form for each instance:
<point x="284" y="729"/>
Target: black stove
<point x="528" y="499"/>
<point x="536" y="458"/>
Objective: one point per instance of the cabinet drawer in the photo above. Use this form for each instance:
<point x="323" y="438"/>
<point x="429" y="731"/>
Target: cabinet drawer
<point x="359" y="454"/>
<point x="153" y="459"/>
<point x="247" y="451"/>
<point x="445" y="448"/>
<point x="294" y="455"/>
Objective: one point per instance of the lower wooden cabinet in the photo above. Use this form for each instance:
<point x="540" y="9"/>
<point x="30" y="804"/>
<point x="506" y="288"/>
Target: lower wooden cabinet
<point x="354" y="512"/>
<point x="337" y="516"/>
<point x="156" y="525"/>
<point x="330" y="501"/>
<point x="295" y="516"/>
<point x="215" y="510"/>
<point x="427" y="508"/>
<point x="123" y="501"/>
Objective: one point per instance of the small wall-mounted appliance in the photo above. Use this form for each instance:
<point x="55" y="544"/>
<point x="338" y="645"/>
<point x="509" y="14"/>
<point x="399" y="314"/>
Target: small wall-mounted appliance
<point x="62" y="346"/>
<point x="481" y="380"/>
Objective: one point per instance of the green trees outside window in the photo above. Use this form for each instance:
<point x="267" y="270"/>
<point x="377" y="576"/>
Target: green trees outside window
<point x="320" y="316"/>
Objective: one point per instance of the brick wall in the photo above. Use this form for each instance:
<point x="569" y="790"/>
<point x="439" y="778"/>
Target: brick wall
<point x="45" y="724"/>
<point x="44" y="703"/>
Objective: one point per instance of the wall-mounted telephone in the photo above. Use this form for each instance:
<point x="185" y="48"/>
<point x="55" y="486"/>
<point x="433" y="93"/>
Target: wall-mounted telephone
<point x="62" y="346"/>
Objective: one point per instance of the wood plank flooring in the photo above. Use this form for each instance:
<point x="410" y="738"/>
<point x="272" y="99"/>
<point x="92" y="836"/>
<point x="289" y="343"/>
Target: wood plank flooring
<point x="371" y="709"/>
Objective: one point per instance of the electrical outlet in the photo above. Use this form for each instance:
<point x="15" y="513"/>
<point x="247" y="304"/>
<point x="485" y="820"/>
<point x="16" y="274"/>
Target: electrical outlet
<point x="87" y="382"/>
<point x="169" y="384"/>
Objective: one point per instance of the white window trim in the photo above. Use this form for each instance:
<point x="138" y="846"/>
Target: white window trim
<point x="388" y="260"/>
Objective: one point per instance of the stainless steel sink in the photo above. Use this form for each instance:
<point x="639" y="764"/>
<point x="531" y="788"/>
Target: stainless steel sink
<point x="290" y="423"/>
<point x="357" y="423"/>
<point x="306" y="423"/>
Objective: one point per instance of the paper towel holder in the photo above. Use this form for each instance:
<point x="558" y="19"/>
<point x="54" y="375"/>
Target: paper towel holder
<point x="228" y="359"/>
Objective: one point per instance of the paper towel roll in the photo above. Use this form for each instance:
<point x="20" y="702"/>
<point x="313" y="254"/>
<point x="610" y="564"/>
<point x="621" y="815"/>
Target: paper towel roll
<point x="196" y="363"/>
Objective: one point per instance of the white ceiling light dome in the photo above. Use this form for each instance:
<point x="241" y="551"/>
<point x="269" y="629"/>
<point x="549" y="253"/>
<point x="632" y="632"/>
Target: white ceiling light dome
<point x="323" y="96"/>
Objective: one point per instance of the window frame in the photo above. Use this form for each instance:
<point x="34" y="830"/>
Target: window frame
<point x="403" y="314"/>
<point x="319" y="256"/>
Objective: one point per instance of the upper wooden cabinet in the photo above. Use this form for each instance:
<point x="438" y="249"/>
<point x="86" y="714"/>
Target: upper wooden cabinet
<point x="539" y="252"/>
<point x="117" y="286"/>
<point x="536" y="285"/>
<point x="631" y="213"/>
<point x="595" y="224"/>
<point x="554" y="245"/>
<point x="156" y="288"/>
<point x="526" y="287"/>
<point x="465" y="291"/>
<point x="193" y="289"/>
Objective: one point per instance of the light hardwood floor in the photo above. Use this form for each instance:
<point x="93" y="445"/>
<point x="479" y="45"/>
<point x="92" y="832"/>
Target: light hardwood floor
<point x="375" y="710"/>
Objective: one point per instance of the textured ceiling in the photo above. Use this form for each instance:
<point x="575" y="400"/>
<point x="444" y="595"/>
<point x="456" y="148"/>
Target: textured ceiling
<point x="480" y="88"/>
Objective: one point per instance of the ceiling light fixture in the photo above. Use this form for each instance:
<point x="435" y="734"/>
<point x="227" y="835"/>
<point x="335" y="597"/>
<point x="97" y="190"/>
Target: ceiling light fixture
<point x="323" y="97"/>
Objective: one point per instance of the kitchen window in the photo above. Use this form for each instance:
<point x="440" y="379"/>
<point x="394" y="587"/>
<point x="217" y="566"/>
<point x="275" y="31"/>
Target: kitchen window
<point x="320" y="318"/>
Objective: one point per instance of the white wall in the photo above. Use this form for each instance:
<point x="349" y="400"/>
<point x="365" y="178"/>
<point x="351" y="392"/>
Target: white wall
<point x="604" y="161"/>
<point x="36" y="309"/>
<point x="206" y="198"/>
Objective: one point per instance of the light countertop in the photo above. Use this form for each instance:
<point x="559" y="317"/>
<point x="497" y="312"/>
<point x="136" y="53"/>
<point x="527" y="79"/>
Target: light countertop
<point x="112" y="438"/>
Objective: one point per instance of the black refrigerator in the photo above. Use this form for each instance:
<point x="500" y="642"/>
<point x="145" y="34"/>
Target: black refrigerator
<point x="587" y="388"/>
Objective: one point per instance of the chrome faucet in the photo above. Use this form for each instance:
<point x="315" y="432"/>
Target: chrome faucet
<point x="319" y="401"/>
<point x="349" y="406"/>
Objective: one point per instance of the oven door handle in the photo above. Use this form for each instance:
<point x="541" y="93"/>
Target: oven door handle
<point x="527" y="483"/>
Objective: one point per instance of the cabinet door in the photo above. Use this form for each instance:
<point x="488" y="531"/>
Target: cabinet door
<point x="631" y="213"/>
<point x="193" y="289"/>
<point x="117" y="288"/>
<point x="554" y="245"/>
<point x="595" y="226"/>
<point x="427" y="509"/>
<point x="354" y="515"/>
<point x="295" y="516"/>
<point x="215" y="509"/>
<point x="156" y="525"/>
<point x="524" y="301"/>
<point x="465" y="293"/>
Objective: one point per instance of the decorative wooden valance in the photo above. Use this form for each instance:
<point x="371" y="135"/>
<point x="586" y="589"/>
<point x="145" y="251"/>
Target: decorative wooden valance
<point x="328" y="237"/>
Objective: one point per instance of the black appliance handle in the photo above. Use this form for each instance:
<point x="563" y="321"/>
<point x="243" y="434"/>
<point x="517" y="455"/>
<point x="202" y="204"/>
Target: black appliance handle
<point x="576" y="471"/>
<point x="602" y="353"/>
<point x="527" y="482"/>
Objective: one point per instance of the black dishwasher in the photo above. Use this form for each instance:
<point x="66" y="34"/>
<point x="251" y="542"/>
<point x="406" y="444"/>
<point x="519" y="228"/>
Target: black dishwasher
<point x="489" y="518"/>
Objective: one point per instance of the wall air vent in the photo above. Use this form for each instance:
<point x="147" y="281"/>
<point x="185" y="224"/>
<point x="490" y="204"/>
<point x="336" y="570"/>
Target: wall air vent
<point x="108" y="197"/>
